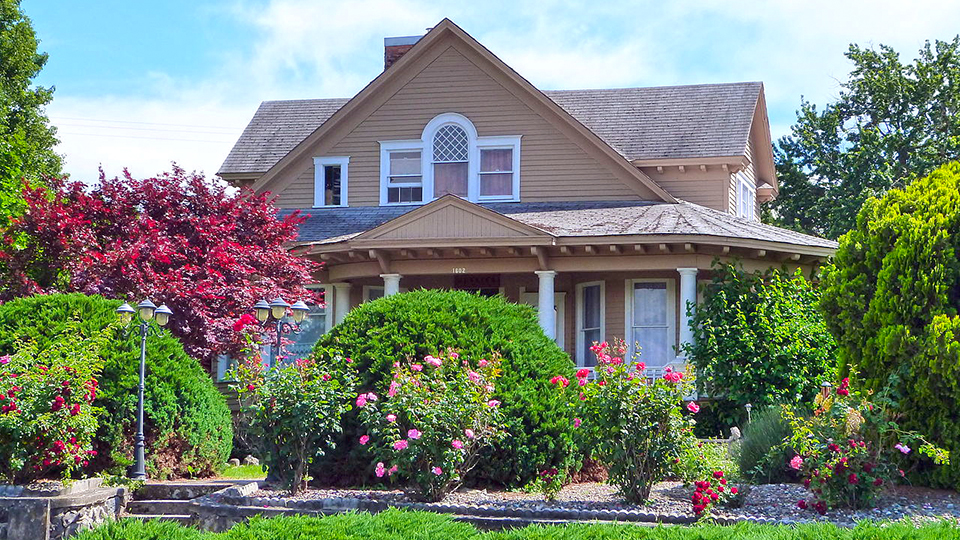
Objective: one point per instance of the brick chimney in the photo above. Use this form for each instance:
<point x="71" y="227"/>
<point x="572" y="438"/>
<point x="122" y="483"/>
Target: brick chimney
<point x="395" y="47"/>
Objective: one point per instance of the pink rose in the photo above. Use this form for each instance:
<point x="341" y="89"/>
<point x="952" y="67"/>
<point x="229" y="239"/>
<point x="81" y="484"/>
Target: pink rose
<point x="576" y="422"/>
<point x="488" y="388"/>
<point x="380" y="470"/>
<point x="454" y="355"/>
<point x="413" y="434"/>
<point x="435" y="362"/>
<point x="473" y="376"/>
<point x="416" y="367"/>
<point x="482" y="363"/>
<point x="469" y="433"/>
<point x="391" y="418"/>
<point x="4" y="360"/>
<point x="456" y="443"/>
<point x="400" y="445"/>
<point x="364" y="439"/>
<point x="394" y="386"/>
<point x="796" y="463"/>
<point x="493" y="403"/>
<point x="392" y="470"/>
<point x="361" y="400"/>
<point x="371" y="396"/>
<point x="693" y="407"/>
<point x="437" y="471"/>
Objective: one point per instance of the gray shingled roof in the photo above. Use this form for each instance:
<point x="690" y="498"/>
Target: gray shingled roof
<point x="275" y="129"/>
<point x="577" y="219"/>
<point x="704" y="120"/>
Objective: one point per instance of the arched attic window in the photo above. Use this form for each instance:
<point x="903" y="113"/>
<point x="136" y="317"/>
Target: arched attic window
<point x="450" y="158"/>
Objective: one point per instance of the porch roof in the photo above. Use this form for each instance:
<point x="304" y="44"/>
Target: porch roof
<point x="571" y="220"/>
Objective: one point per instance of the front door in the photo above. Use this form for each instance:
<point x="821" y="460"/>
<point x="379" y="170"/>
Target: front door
<point x="532" y="299"/>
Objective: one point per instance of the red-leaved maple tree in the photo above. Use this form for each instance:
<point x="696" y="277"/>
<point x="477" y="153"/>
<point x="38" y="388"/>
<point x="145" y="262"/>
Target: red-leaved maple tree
<point x="207" y="251"/>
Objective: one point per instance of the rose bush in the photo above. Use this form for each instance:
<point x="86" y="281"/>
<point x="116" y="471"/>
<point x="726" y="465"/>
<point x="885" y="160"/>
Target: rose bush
<point x="634" y="425"/>
<point x="47" y="417"/>
<point x="429" y="426"/>
<point x="850" y="448"/>
<point x="293" y="412"/>
<point x="712" y="492"/>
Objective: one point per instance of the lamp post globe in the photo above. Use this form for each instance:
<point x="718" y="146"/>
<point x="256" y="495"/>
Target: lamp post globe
<point x="146" y="309"/>
<point x="278" y="308"/>
<point x="125" y="313"/>
<point x="300" y="311"/>
<point x="262" y="309"/>
<point x="163" y="315"/>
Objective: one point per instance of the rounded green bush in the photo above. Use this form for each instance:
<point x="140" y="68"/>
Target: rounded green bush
<point x="187" y="422"/>
<point x="415" y="324"/>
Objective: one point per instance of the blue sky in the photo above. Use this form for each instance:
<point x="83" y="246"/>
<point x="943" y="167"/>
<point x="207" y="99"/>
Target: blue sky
<point x="141" y="84"/>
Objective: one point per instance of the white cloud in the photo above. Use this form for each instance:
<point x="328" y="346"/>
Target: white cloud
<point x="311" y="49"/>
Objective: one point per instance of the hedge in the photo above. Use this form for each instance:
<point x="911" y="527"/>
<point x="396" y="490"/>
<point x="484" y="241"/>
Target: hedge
<point x="187" y="422"/>
<point x="414" y="324"/>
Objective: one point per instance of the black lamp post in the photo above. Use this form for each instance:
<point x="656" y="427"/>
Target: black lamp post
<point x="273" y="313"/>
<point x="147" y="311"/>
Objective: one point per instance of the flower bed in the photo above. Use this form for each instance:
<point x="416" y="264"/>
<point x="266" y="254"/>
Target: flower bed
<point x="669" y="503"/>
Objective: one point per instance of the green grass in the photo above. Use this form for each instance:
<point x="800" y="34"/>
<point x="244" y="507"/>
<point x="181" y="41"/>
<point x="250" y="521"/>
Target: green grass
<point x="244" y="472"/>
<point x="404" y="525"/>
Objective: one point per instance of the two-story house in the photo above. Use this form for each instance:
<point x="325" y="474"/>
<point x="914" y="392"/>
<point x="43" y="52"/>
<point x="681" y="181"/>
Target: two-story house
<point x="601" y="208"/>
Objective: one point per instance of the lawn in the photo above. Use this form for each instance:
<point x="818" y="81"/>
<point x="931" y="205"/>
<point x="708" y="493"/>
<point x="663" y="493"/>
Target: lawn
<point x="404" y="525"/>
<point x="244" y="472"/>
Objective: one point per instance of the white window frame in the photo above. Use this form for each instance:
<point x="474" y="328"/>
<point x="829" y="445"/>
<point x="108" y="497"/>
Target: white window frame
<point x="425" y="146"/>
<point x="319" y="187"/>
<point x="672" y="301"/>
<point x="744" y="183"/>
<point x="389" y="147"/>
<point x="581" y="361"/>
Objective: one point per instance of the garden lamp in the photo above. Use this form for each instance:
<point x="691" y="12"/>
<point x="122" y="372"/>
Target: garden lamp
<point x="125" y="313"/>
<point x="825" y="389"/>
<point x="163" y="314"/>
<point x="300" y="311"/>
<point x="263" y="310"/>
<point x="278" y="308"/>
<point x="146" y="310"/>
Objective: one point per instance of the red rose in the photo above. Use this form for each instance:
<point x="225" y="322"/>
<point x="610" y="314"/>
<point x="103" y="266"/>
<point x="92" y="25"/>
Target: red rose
<point x="852" y="479"/>
<point x="878" y="482"/>
<point x="733" y="490"/>
<point x="718" y="474"/>
<point x="802" y="504"/>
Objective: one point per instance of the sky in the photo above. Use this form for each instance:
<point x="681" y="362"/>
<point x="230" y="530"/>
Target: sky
<point x="144" y="84"/>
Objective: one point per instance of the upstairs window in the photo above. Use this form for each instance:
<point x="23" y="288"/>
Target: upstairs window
<point x="746" y="197"/>
<point x="450" y="158"/>
<point x="330" y="181"/>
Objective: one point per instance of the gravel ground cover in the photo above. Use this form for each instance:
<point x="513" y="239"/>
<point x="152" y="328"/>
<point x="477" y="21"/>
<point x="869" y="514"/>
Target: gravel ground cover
<point x="772" y="501"/>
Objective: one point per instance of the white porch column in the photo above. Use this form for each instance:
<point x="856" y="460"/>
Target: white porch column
<point x="341" y="301"/>
<point x="688" y="294"/>
<point x="391" y="284"/>
<point x="546" y="311"/>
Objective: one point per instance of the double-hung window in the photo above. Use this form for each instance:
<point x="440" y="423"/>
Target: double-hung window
<point x="746" y="197"/>
<point x="330" y="181"/>
<point x="590" y="320"/>
<point x="450" y="159"/>
<point x="650" y="320"/>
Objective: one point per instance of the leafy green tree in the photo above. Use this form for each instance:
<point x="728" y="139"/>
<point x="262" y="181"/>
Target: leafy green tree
<point x="892" y="296"/>
<point x="760" y="339"/>
<point x="26" y="137"/>
<point x="893" y="122"/>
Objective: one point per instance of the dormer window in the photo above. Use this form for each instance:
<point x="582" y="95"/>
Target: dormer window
<point x="450" y="158"/>
<point x="330" y="181"/>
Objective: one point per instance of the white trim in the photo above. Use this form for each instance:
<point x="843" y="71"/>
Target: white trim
<point x="579" y="317"/>
<point x="425" y="146"/>
<point x="671" y="315"/>
<point x="744" y="182"/>
<point x="327" y="304"/>
<point x="319" y="163"/>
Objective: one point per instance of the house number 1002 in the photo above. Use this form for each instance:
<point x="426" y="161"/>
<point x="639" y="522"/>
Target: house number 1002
<point x="459" y="270"/>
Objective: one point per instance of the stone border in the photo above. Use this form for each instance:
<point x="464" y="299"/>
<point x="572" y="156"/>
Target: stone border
<point x="59" y="516"/>
<point x="221" y="510"/>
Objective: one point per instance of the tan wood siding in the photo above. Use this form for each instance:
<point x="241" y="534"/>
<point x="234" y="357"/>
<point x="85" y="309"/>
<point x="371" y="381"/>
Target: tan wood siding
<point x="552" y="167"/>
<point x="707" y="188"/>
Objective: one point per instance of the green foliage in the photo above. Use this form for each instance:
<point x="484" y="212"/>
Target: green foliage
<point x="759" y="338"/>
<point x="851" y="447"/>
<point x="294" y="413"/>
<point x="436" y="416"/>
<point x="717" y="416"/>
<point x="701" y="459"/>
<point x="893" y="122"/>
<point x="634" y="426"/>
<point x="760" y="454"/>
<point x="891" y="298"/>
<point x="26" y="138"/>
<point x="187" y="421"/>
<point x="548" y="483"/>
<point x="47" y="420"/>
<point x="416" y="324"/>
<point x="403" y="525"/>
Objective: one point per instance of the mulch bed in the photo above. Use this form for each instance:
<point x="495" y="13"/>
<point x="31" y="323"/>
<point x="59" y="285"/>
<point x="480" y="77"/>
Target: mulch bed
<point x="773" y="501"/>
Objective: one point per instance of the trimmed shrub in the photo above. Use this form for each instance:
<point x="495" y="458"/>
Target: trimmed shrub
<point x="187" y="423"/>
<point x="891" y="298"/>
<point x="420" y="323"/>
